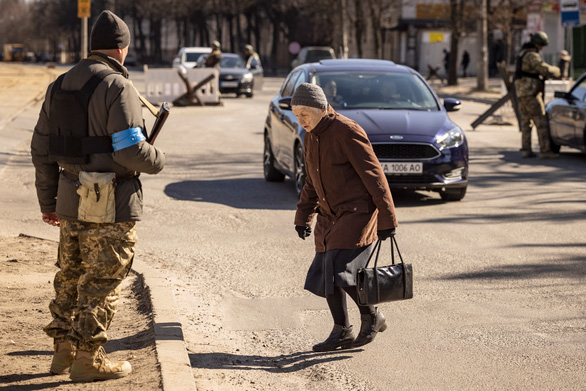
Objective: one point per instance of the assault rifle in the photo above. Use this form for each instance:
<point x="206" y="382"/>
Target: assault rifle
<point x="159" y="122"/>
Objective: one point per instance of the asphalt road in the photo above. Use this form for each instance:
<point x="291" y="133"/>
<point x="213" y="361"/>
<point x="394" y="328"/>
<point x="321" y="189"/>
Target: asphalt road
<point x="500" y="276"/>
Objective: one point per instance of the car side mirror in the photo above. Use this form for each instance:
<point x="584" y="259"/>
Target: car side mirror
<point x="285" y="103"/>
<point x="564" y="95"/>
<point x="452" y="104"/>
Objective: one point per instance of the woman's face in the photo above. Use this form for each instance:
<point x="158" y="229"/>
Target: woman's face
<point x="308" y="117"/>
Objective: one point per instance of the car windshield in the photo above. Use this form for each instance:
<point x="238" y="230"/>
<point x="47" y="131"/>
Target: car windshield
<point x="232" y="62"/>
<point x="192" y="57"/>
<point x="361" y="90"/>
<point x="317" y="54"/>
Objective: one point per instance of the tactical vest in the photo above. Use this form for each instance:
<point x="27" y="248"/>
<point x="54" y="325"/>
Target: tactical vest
<point x="519" y="73"/>
<point x="69" y="123"/>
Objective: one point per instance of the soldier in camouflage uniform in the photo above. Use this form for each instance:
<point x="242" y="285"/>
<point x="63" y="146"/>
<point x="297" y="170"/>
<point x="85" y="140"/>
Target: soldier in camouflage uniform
<point x="95" y="254"/>
<point x="530" y="78"/>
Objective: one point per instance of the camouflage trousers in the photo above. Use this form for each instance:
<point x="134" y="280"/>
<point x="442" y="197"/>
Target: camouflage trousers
<point x="93" y="260"/>
<point x="532" y="111"/>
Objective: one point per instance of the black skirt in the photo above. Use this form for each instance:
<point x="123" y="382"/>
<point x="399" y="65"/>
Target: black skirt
<point x="335" y="268"/>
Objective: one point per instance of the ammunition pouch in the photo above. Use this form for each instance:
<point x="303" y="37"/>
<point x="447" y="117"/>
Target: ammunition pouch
<point x="69" y="141"/>
<point x="97" y="197"/>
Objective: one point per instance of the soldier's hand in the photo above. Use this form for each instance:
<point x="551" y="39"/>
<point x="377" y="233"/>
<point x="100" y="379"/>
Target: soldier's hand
<point x="51" y="219"/>
<point x="303" y="232"/>
<point x="384" y="234"/>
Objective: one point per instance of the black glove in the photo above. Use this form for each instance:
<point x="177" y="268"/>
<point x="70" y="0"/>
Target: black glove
<point x="303" y="232"/>
<point x="384" y="234"/>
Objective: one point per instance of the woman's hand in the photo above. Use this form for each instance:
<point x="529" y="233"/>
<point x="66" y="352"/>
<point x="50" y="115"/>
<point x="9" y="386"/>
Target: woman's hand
<point x="303" y="232"/>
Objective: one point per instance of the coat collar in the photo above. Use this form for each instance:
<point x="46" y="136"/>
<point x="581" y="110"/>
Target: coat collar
<point x="110" y="62"/>
<point x="326" y="121"/>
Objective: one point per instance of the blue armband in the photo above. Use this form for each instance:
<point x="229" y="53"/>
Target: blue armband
<point x="126" y="138"/>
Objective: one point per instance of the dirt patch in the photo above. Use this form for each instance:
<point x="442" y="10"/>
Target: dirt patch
<point x="26" y="286"/>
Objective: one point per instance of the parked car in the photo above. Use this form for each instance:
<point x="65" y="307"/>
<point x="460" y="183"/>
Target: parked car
<point x="235" y="78"/>
<point x="313" y="54"/>
<point x="188" y="56"/>
<point x="566" y="115"/>
<point x="417" y="144"/>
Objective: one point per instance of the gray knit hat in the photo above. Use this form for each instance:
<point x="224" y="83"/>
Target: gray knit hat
<point x="109" y="32"/>
<point x="310" y="95"/>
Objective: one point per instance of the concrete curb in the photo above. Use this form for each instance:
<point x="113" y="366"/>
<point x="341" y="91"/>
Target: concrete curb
<point x="176" y="372"/>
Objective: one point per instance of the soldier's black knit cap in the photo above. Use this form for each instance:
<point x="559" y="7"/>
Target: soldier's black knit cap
<point x="109" y="32"/>
<point x="309" y="95"/>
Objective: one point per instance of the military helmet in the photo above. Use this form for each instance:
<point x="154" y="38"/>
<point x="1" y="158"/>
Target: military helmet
<point x="539" y="38"/>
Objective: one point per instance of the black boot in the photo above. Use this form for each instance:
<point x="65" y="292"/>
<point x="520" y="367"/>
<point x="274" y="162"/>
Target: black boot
<point x="340" y="337"/>
<point x="371" y="325"/>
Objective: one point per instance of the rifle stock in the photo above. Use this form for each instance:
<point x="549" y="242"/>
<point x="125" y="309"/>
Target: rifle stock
<point x="159" y="122"/>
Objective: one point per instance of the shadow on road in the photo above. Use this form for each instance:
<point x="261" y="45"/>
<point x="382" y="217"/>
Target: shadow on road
<point x="279" y="364"/>
<point x="572" y="268"/>
<point x="242" y="193"/>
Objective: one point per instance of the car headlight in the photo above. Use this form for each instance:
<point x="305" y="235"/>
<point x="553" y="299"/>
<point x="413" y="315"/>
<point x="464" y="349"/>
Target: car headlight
<point x="452" y="138"/>
<point x="247" y="77"/>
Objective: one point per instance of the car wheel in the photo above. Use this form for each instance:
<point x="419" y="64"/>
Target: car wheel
<point x="300" y="173"/>
<point x="270" y="172"/>
<point x="555" y="148"/>
<point x="453" y="195"/>
<point x="249" y="95"/>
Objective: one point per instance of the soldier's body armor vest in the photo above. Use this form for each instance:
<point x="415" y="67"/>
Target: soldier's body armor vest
<point x="68" y="123"/>
<point x="519" y="73"/>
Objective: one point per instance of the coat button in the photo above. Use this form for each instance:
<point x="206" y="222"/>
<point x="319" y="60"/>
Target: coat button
<point x="355" y="209"/>
<point x="323" y="199"/>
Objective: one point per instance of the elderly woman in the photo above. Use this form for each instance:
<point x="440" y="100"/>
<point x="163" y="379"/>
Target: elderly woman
<point x="348" y="191"/>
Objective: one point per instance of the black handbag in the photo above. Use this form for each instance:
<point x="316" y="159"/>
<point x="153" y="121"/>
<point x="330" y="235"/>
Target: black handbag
<point x="386" y="283"/>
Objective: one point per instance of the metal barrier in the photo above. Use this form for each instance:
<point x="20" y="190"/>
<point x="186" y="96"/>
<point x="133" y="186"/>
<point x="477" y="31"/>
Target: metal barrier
<point x="165" y="84"/>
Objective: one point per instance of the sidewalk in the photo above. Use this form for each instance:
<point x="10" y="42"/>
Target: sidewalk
<point x="467" y="90"/>
<point x="145" y="331"/>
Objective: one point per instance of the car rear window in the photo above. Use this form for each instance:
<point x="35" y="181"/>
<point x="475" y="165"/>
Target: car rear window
<point x="316" y="55"/>
<point x="377" y="90"/>
<point x="192" y="57"/>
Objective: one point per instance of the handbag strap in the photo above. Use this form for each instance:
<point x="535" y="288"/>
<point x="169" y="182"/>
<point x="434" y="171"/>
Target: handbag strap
<point x="377" y="247"/>
<point x="393" y="246"/>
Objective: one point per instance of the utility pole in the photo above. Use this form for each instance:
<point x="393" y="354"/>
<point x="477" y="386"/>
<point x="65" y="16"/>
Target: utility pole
<point x="344" y="25"/>
<point x="84" y="12"/>
<point x="482" y="67"/>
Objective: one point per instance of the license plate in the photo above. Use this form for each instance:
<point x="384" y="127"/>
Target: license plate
<point x="229" y="84"/>
<point x="402" y="168"/>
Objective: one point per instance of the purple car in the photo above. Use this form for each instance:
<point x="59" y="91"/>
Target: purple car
<point x="418" y="146"/>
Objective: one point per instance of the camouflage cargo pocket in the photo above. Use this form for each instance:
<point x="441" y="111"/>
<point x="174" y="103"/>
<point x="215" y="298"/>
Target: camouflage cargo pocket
<point x="97" y="202"/>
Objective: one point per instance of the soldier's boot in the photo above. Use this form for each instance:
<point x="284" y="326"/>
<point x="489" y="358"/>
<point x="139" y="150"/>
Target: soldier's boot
<point x="89" y="366"/>
<point x="63" y="358"/>
<point x="528" y="154"/>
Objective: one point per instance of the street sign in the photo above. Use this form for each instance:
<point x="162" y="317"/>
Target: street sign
<point x="84" y="8"/>
<point x="570" y="12"/>
<point x="294" y="48"/>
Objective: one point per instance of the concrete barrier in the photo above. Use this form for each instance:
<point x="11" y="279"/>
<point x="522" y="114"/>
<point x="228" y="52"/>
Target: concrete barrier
<point x="165" y="84"/>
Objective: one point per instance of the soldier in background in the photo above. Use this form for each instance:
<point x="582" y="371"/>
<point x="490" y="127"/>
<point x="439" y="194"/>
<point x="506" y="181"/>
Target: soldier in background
<point x="215" y="57"/>
<point x="88" y="148"/>
<point x="564" y="65"/>
<point x="251" y="57"/>
<point x="530" y="75"/>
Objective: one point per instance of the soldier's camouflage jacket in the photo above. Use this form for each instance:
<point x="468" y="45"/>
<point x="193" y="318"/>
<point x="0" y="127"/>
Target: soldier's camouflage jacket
<point x="532" y="63"/>
<point x="113" y="107"/>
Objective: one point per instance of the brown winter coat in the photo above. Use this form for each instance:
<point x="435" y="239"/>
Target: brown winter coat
<point x="113" y="107"/>
<point x="345" y="186"/>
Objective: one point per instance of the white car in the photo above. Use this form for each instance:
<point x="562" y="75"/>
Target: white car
<point x="188" y="56"/>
